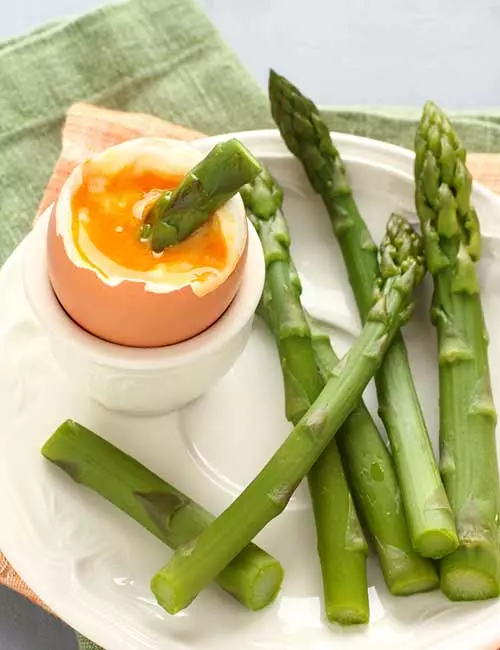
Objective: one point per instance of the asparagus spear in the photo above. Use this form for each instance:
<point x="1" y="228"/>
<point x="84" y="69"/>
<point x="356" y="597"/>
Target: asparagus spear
<point x="467" y="414"/>
<point x="253" y="577"/>
<point x="427" y="508"/>
<point x="195" y="564"/>
<point x="375" y="489"/>
<point x="178" y="213"/>
<point x="342" y="547"/>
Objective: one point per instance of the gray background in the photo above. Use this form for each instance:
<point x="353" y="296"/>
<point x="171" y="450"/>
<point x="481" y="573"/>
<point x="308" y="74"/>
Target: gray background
<point x="340" y="52"/>
<point x="345" y="51"/>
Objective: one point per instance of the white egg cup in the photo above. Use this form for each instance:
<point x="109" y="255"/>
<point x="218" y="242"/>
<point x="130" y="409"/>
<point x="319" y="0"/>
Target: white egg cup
<point x="142" y="381"/>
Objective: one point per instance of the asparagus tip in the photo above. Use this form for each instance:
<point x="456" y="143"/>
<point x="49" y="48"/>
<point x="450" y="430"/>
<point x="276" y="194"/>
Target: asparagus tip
<point x="273" y="76"/>
<point x="277" y="81"/>
<point x="401" y="248"/>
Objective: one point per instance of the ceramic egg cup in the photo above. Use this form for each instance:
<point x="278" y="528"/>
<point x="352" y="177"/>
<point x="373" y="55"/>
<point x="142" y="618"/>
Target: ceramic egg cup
<point x="143" y="381"/>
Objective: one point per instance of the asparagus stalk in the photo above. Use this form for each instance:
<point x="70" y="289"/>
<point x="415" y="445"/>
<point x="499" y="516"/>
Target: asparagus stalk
<point x="178" y="213"/>
<point x="253" y="577"/>
<point x="467" y="414"/>
<point x="374" y="486"/>
<point x="342" y="547"/>
<point x="427" y="508"/>
<point x="194" y="565"/>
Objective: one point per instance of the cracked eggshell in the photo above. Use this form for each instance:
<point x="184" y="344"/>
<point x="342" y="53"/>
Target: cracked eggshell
<point x="135" y="312"/>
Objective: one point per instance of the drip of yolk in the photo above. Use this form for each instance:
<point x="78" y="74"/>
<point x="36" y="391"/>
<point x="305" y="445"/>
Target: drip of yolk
<point x="110" y="210"/>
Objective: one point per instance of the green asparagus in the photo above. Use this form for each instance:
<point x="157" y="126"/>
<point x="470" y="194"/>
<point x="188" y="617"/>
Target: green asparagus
<point x="178" y="213"/>
<point x="253" y="577"/>
<point x="342" y="547"/>
<point x="374" y="486"/>
<point x="427" y="508"/>
<point x="469" y="465"/>
<point x="195" y="564"/>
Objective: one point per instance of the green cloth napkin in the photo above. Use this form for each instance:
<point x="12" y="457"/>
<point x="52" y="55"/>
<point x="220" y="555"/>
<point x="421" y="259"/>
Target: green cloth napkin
<point x="157" y="56"/>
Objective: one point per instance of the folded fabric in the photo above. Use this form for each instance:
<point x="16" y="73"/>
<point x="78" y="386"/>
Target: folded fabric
<point x="160" y="59"/>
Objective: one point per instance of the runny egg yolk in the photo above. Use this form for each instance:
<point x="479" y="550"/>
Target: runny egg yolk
<point x="111" y="209"/>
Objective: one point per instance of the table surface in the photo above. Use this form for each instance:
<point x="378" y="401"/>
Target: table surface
<point x="341" y="53"/>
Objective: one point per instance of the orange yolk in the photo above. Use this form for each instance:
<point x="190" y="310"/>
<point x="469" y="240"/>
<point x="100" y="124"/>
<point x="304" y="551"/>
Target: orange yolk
<point x="104" y="207"/>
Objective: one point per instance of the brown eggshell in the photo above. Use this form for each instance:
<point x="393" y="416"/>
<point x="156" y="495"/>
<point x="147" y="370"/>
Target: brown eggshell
<point x="127" y="314"/>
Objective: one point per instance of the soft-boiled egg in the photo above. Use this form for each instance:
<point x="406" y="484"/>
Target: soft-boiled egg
<point x="110" y="281"/>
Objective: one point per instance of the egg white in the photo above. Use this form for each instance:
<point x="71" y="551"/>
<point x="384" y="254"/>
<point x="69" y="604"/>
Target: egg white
<point x="171" y="157"/>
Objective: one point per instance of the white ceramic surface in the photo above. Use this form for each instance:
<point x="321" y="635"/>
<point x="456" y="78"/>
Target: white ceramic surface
<point x="92" y="565"/>
<point x="142" y="381"/>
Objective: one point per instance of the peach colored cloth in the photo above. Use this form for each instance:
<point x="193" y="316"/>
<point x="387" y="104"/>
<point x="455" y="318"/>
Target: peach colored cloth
<point x="88" y="130"/>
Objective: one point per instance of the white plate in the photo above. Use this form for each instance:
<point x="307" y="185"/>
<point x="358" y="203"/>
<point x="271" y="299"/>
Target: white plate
<point x="92" y="565"/>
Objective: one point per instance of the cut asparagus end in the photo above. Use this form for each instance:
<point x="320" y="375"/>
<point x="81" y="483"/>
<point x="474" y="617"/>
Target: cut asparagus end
<point x="407" y="573"/>
<point x="470" y="574"/>
<point x="413" y="584"/>
<point x="346" y="616"/>
<point x="436" y="544"/>
<point x="265" y="588"/>
<point x="346" y="594"/>
<point x="219" y="176"/>
<point x="260" y="590"/>
<point x="260" y="587"/>
<point x="466" y="584"/>
<point x="165" y="594"/>
<point x="263" y="582"/>
<point x="253" y="577"/>
<point x="168" y="594"/>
